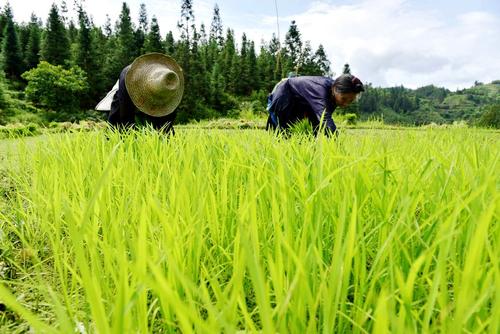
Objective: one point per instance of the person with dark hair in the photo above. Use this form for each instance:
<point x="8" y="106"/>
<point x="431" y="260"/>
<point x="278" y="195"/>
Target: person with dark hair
<point x="313" y="98"/>
<point x="148" y="92"/>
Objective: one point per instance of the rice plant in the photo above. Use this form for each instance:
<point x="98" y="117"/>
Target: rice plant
<point x="242" y="231"/>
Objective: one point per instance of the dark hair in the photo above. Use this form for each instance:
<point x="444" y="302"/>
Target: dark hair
<point x="348" y="83"/>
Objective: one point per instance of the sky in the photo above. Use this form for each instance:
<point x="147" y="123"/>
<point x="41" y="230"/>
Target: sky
<point x="386" y="42"/>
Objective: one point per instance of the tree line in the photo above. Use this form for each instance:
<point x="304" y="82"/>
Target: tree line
<point x="69" y="63"/>
<point x="219" y="69"/>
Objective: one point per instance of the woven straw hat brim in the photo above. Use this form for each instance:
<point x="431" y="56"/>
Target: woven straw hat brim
<point x="140" y="75"/>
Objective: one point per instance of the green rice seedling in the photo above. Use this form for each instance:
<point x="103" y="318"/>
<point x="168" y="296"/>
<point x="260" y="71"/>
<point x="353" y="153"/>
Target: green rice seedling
<point x="242" y="231"/>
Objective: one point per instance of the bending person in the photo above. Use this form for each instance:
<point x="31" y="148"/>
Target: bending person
<point x="313" y="98"/>
<point x="147" y="92"/>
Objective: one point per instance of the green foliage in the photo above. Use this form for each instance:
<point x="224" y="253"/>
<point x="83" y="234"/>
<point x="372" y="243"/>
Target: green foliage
<point x="122" y="47"/>
<point x="141" y="32"/>
<point x="19" y="130"/>
<point x="216" y="29"/>
<point x="3" y="89"/>
<point x="32" y="53"/>
<point x="153" y="41"/>
<point x="220" y="72"/>
<point x="351" y="119"/>
<point x="491" y="117"/>
<point x="170" y="44"/>
<point x="55" y="45"/>
<point x="11" y="61"/>
<point x="54" y="87"/>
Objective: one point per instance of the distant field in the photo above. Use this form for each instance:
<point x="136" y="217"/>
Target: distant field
<point x="221" y="231"/>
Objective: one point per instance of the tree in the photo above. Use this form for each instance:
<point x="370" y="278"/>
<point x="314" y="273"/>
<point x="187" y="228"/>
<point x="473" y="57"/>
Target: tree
<point x="54" y="87"/>
<point x="240" y="71"/>
<point x="23" y="33"/>
<point x="87" y="57"/>
<point x="83" y="56"/>
<point x="3" y="23"/>
<point x="186" y="24"/>
<point x="108" y="31"/>
<point x="170" y="44"/>
<point x="126" y="44"/>
<point x="32" y="54"/>
<point x="228" y="56"/>
<point x="322" y="62"/>
<point x="491" y="118"/>
<point x="55" y="46"/>
<point x="216" y="29"/>
<point x="217" y="87"/>
<point x="142" y="30"/>
<point x="293" y="55"/>
<point x="153" y="40"/>
<point x="253" y="75"/>
<point x="11" y="57"/>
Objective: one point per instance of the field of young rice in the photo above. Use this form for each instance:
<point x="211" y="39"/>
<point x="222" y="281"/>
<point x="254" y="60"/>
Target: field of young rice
<point x="239" y="232"/>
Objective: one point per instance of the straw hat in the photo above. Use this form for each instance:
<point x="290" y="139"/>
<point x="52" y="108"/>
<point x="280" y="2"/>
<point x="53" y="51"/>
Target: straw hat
<point x="155" y="83"/>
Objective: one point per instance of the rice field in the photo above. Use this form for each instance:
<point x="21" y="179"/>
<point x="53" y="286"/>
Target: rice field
<point x="215" y="231"/>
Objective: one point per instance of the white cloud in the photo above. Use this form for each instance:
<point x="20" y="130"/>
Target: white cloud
<point x="390" y="43"/>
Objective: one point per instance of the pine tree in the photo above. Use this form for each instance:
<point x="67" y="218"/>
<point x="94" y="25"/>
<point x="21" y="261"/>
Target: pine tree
<point x="217" y="88"/>
<point x="32" y="54"/>
<point x="55" y="46"/>
<point x="322" y="61"/>
<point x="108" y="31"/>
<point x="153" y="40"/>
<point x="72" y="32"/>
<point x="64" y="13"/>
<point x="203" y="36"/>
<point x="183" y="54"/>
<point x="3" y="22"/>
<point x="170" y="44"/>
<point x="83" y="56"/>
<point x="143" y="19"/>
<point x="87" y="57"/>
<point x="23" y="33"/>
<point x="293" y="56"/>
<point x="126" y="47"/>
<point x="253" y="81"/>
<point x="241" y="75"/>
<point x="266" y="66"/>
<point x="228" y="56"/>
<point x="11" y="57"/>
<point x="216" y="29"/>
<point x="199" y="76"/>
<point x="308" y="66"/>
<point x="186" y="24"/>
<point x="277" y="58"/>
<point x="142" y="30"/>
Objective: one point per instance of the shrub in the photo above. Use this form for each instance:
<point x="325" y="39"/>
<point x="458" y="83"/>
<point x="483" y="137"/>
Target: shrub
<point x="54" y="87"/>
<point x="351" y="119"/>
<point x="491" y="118"/>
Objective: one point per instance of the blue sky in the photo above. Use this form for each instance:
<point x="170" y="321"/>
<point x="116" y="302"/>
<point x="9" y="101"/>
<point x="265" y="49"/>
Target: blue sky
<point x="386" y="42"/>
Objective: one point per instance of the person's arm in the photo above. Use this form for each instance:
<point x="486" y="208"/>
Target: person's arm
<point x="164" y="123"/>
<point x="323" y="120"/>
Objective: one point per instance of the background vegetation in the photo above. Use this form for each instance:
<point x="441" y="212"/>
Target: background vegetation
<point x="223" y="75"/>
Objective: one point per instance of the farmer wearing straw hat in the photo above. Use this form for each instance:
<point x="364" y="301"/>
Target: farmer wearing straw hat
<point x="148" y="90"/>
<point x="310" y="97"/>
